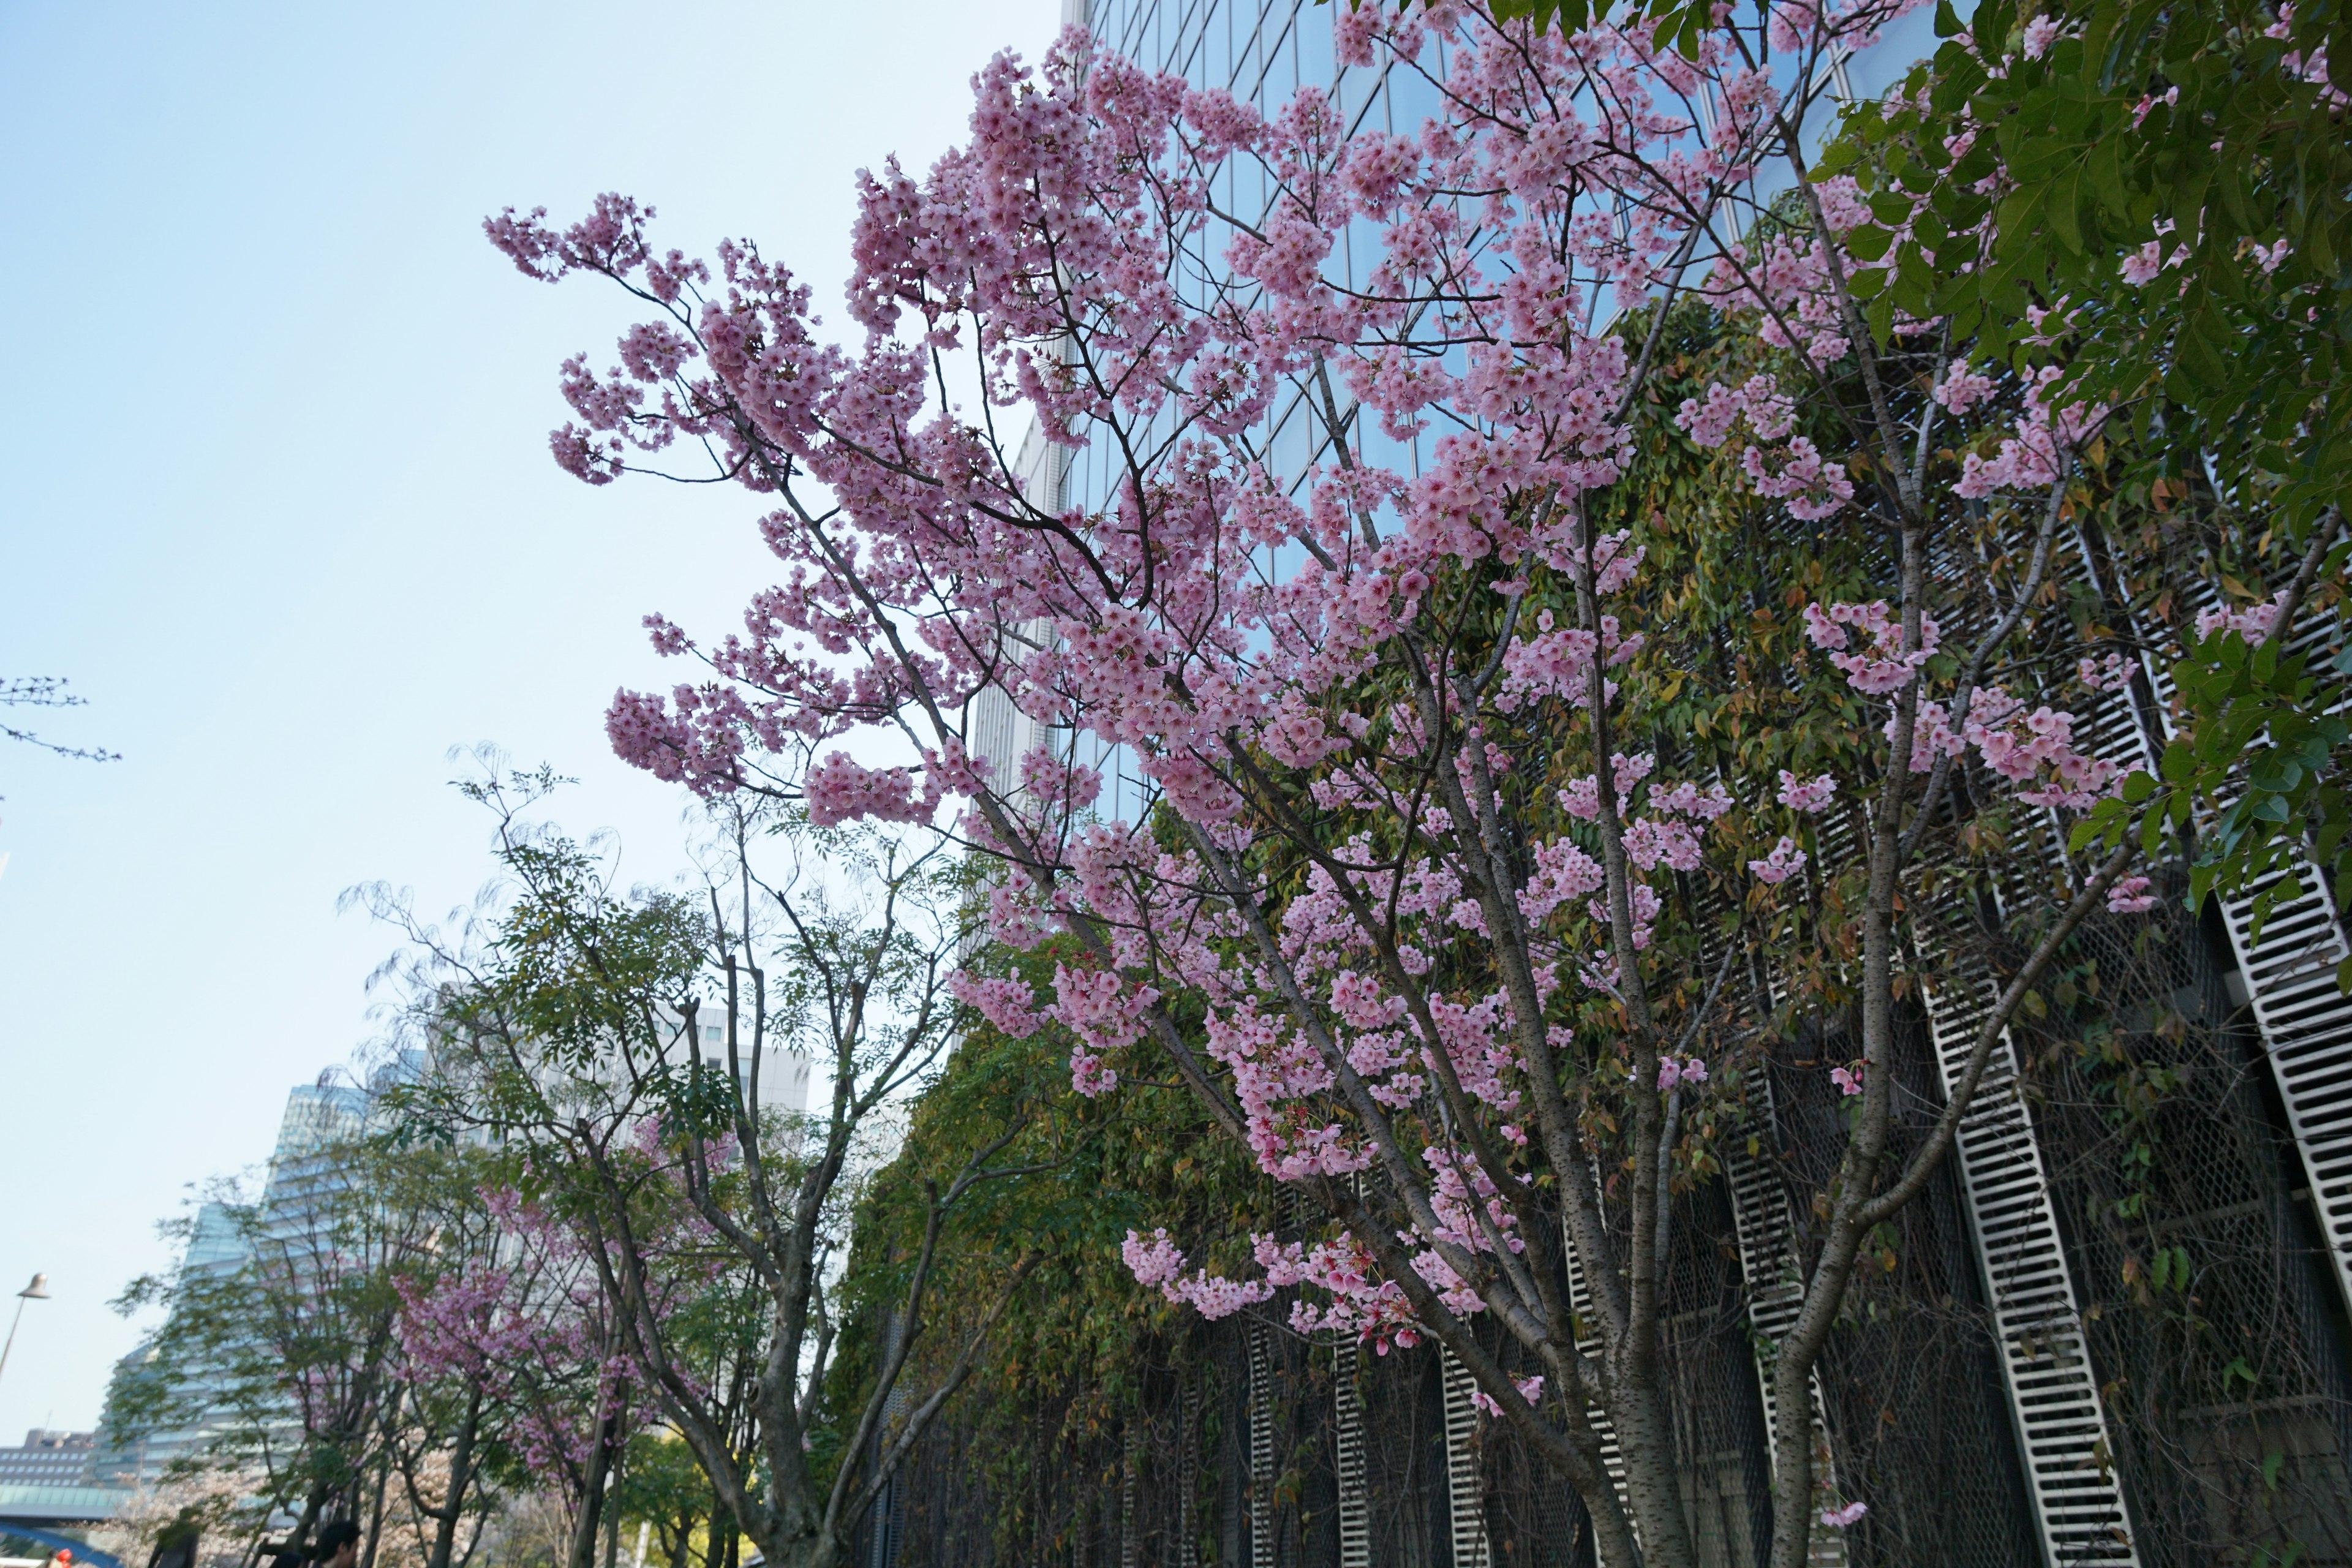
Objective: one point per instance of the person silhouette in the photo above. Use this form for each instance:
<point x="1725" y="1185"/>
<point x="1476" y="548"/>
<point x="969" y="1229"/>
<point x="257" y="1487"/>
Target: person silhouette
<point x="339" y="1545"/>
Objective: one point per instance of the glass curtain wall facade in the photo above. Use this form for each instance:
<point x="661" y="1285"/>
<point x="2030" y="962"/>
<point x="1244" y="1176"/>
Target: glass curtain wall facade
<point x="318" y="1115"/>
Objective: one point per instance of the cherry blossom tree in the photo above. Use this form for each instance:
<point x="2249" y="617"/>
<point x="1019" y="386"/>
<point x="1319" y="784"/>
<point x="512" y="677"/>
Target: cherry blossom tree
<point x="1441" y="903"/>
<point x="508" y="1362"/>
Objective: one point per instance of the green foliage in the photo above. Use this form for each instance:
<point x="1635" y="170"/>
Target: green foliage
<point x="2261" y="771"/>
<point x="658" y="1484"/>
<point x="1072" y="1349"/>
<point x="578" y="967"/>
<point x="2011" y="187"/>
<point x="2145" y="121"/>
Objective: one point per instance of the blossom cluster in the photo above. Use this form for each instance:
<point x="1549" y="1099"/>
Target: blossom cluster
<point x="1081" y="248"/>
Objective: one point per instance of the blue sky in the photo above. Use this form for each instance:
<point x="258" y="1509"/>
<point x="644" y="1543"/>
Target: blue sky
<point x="276" y="499"/>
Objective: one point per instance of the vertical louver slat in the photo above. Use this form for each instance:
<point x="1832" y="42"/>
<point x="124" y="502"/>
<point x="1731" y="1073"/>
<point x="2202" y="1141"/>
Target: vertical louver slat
<point x="1763" y="1226"/>
<point x="2053" y="1389"/>
<point x="1355" y="1507"/>
<point x="1187" y="1474"/>
<point x="2305" y="1023"/>
<point x="1130" y="1534"/>
<point x="2306" y="1027"/>
<point x="1579" y="1302"/>
<point x="1261" y="1445"/>
<point x="1464" y="1495"/>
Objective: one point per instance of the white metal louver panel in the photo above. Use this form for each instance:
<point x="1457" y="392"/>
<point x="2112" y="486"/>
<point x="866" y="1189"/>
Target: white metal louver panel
<point x="1762" y="1226"/>
<point x="1130" y="1543"/>
<point x="1260" y="1340"/>
<point x="1464" y="1496"/>
<point x="1355" y="1506"/>
<point x="2306" y="1027"/>
<point x="2045" y="1361"/>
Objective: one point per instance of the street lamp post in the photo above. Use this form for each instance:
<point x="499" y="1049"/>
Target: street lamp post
<point x="38" y="1291"/>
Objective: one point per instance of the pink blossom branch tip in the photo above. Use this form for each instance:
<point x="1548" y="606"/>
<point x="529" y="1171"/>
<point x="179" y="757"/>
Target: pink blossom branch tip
<point x="1811" y="797"/>
<point x="2252" y="623"/>
<point x="1785" y="861"/>
<point x="1530" y="1389"/>
<point x="1155" y="1261"/>
<point x="1675" y="1071"/>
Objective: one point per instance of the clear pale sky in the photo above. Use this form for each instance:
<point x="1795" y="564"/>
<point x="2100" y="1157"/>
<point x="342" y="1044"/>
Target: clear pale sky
<point x="276" y="495"/>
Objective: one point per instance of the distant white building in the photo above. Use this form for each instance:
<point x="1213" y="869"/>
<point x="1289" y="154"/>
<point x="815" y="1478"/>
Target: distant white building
<point x="49" y="1460"/>
<point x="784" y="1076"/>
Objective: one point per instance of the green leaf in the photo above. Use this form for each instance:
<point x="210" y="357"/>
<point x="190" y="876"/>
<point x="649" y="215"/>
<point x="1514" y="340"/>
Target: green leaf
<point x="1868" y="243"/>
<point x="2015" y="223"/>
<point x="1881" y="317"/>
<point x="2106" y="170"/>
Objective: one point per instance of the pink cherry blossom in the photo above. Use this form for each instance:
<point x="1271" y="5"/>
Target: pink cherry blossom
<point x="1886" y="667"/>
<point x="1674" y="1071"/>
<point x="2252" y="623"/>
<point x="1785" y="861"/>
<point x="2111" y="673"/>
<point x="1962" y="388"/>
<point x="1156" y="1262"/>
<point x="1530" y="1389"/>
<point x="1809" y="795"/>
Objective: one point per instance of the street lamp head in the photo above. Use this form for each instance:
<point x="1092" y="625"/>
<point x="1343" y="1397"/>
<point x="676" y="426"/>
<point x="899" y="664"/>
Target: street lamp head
<point x="38" y="1291"/>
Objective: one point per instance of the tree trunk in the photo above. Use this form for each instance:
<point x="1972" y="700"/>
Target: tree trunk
<point x="714" y="1552"/>
<point x="301" y="1538"/>
<point x="461" y="1476"/>
<point x="375" y="1513"/>
<point x="591" y="1497"/>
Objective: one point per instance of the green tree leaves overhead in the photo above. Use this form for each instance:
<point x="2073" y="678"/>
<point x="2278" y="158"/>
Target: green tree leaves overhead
<point x="2158" y="198"/>
<point x="2173" y="182"/>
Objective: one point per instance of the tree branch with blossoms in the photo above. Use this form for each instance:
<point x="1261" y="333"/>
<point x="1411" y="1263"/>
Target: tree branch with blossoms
<point x="1419" y="846"/>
